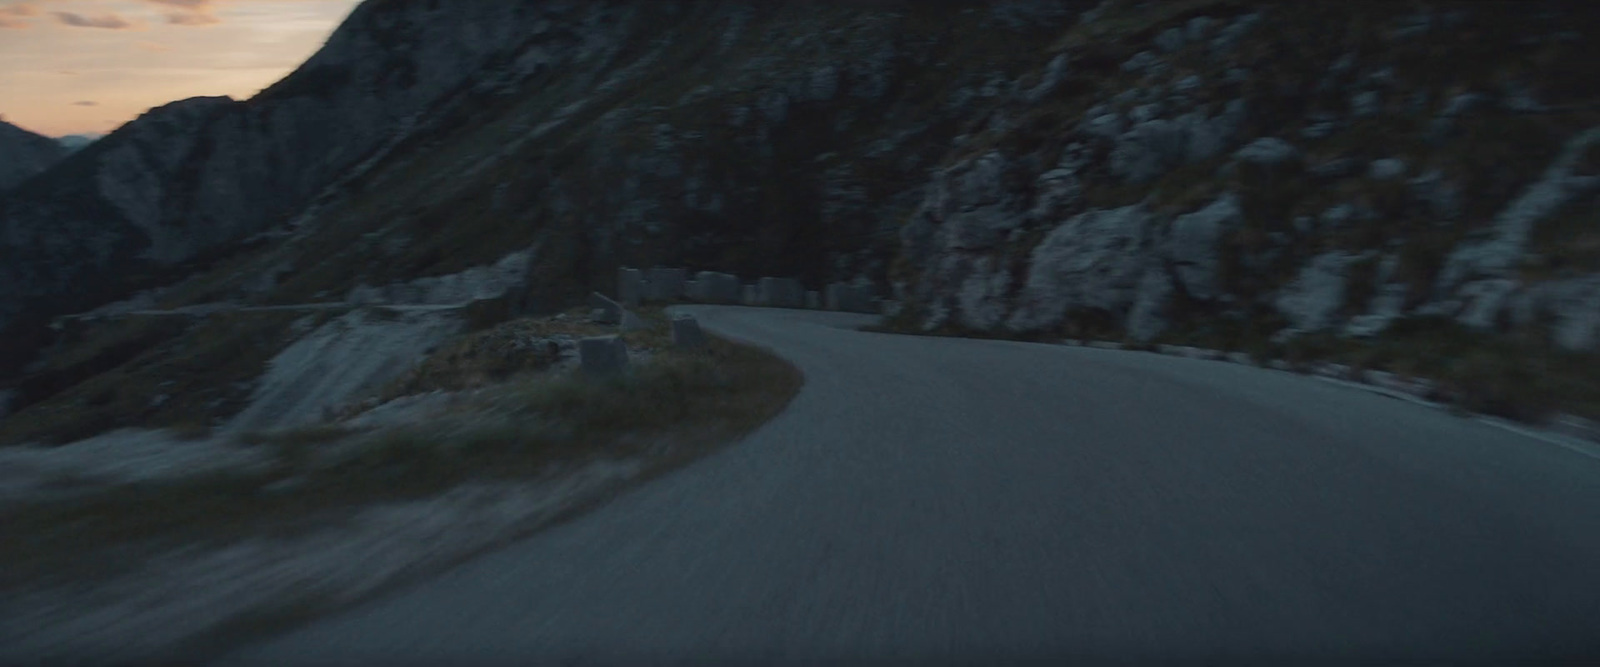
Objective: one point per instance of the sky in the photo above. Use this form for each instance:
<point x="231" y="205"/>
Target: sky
<point x="88" y="66"/>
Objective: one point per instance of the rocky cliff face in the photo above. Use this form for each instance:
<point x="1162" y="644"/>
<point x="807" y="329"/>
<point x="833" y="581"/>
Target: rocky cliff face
<point x="766" y="140"/>
<point x="1285" y="169"/>
<point x="24" y="154"/>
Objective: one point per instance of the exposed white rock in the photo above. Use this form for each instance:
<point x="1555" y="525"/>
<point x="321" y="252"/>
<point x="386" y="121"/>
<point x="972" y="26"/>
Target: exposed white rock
<point x="1154" y="147"/>
<point x="1140" y="61"/>
<point x="980" y="301"/>
<point x="1501" y="253"/>
<point x="1269" y="151"/>
<point x="1337" y="216"/>
<point x="1148" y="151"/>
<point x="1576" y="306"/>
<point x="1145" y="113"/>
<point x="1386" y="169"/>
<point x="1058" y="191"/>
<point x="1053" y="75"/>
<point x="964" y="199"/>
<point x="1442" y="198"/>
<point x="124" y="456"/>
<point x="1312" y="300"/>
<point x="1485" y="301"/>
<point x="338" y="362"/>
<point x="1386" y="307"/>
<point x="1463" y="103"/>
<point x="1192" y="245"/>
<point x="1094" y="260"/>
<point x="479" y="282"/>
<point x="1147" y="318"/>
<point x="1335" y="168"/>
<point x="1171" y="40"/>
<point x="1365" y="104"/>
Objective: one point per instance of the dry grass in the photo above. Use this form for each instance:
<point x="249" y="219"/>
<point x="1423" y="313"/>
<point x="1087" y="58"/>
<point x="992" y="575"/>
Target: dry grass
<point x="671" y="410"/>
<point x="185" y="378"/>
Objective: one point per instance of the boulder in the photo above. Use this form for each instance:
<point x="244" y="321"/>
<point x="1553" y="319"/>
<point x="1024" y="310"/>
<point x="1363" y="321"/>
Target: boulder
<point x="1386" y="307"/>
<point x="1094" y="260"/>
<point x="686" y="333"/>
<point x="1365" y="104"/>
<point x="980" y="301"/>
<point x="781" y="293"/>
<point x="1503" y="250"/>
<point x="1386" y="169"/>
<point x="1140" y="61"/>
<point x="603" y="355"/>
<point x="1149" y="150"/>
<point x="1054" y="74"/>
<point x="1268" y="151"/>
<point x="1192" y="245"/>
<point x="1442" y="198"/>
<point x="1335" y="169"/>
<point x="1105" y="125"/>
<point x="1171" y="40"/>
<point x="1147" y="319"/>
<point x="1485" y="301"/>
<point x="1576" y="305"/>
<point x="1314" y="298"/>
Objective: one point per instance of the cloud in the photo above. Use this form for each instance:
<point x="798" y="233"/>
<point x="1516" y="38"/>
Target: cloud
<point x="11" y="16"/>
<point x="191" y="5"/>
<point x="192" y="12"/>
<point x="107" y="21"/>
<point x="193" y="19"/>
<point x="152" y="47"/>
<point x="86" y="103"/>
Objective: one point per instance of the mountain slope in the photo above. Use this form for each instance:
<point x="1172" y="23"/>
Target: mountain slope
<point x="764" y="139"/>
<point x="1408" y="186"/>
<point x="25" y="154"/>
<point x="195" y="176"/>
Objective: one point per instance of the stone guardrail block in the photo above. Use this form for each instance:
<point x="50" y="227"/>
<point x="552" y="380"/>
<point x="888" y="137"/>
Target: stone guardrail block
<point x="780" y="293"/>
<point x="603" y="355"/>
<point x="686" y="333"/>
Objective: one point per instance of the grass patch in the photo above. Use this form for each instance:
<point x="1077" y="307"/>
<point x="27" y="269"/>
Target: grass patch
<point x="694" y="401"/>
<point x="1517" y="377"/>
<point x="184" y="381"/>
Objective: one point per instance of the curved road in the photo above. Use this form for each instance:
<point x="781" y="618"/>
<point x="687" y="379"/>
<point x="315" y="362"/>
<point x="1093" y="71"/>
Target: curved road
<point x="950" y="498"/>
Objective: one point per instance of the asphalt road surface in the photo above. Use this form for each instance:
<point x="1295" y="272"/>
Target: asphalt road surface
<point x="938" y="499"/>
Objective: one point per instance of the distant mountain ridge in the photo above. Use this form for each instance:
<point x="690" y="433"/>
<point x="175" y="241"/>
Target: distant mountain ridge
<point x="78" y="142"/>
<point x="24" y="154"/>
<point x="194" y="176"/>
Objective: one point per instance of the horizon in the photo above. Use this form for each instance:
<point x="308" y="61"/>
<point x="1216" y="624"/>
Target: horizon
<point x="86" y="67"/>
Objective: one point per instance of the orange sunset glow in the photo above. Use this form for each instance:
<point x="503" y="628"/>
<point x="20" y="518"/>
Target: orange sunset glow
<point x="88" y="66"/>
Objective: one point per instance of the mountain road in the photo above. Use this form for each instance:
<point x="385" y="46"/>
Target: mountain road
<point x="945" y="498"/>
